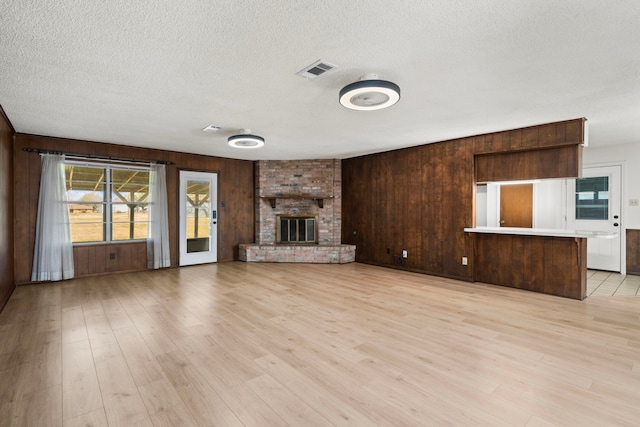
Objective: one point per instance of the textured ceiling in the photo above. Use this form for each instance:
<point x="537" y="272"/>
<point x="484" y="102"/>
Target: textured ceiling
<point x="154" y="73"/>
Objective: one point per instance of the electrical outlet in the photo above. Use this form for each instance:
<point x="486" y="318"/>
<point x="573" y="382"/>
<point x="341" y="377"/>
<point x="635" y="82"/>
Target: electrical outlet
<point x="112" y="255"/>
<point x="634" y="202"/>
<point x="464" y="260"/>
<point x="404" y="253"/>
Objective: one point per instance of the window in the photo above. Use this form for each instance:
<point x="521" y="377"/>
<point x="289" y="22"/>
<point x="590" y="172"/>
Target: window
<point x="592" y="198"/>
<point x="107" y="203"/>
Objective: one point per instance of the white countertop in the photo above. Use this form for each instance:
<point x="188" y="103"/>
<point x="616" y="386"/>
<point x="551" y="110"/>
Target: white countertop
<point x="550" y="232"/>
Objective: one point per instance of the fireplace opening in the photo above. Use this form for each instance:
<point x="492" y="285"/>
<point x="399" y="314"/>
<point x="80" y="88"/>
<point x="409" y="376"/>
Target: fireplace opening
<point x="296" y="229"/>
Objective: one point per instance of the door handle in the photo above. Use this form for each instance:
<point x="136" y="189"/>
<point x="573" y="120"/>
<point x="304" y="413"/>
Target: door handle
<point x="502" y="221"/>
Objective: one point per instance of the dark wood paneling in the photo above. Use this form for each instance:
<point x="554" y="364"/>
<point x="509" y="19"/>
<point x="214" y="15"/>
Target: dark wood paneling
<point x="633" y="252"/>
<point x="371" y="219"/>
<point x="559" y="162"/>
<point x="235" y="219"/>
<point x="570" y="132"/>
<point x="431" y="201"/>
<point x="6" y="209"/>
<point x="91" y="260"/>
<point x="423" y="197"/>
<point x="551" y="265"/>
<point x="401" y="201"/>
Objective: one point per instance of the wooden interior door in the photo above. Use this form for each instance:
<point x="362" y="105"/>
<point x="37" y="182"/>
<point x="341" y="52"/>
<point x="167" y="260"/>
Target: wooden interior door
<point x="516" y="205"/>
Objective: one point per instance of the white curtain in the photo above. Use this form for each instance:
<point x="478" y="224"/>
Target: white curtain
<point x="53" y="253"/>
<point x="158" y="253"/>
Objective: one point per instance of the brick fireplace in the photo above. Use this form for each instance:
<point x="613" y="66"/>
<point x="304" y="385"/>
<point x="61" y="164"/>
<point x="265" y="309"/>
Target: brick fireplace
<point x="298" y="189"/>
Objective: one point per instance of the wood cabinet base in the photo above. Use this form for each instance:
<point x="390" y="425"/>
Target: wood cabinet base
<point x="550" y="265"/>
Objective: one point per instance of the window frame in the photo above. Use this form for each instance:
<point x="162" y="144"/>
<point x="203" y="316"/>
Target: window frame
<point x="597" y="206"/>
<point x="107" y="202"/>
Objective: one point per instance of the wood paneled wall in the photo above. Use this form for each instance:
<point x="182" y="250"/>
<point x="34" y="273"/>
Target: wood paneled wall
<point x="532" y="164"/>
<point x="633" y="252"/>
<point x="550" y="265"/>
<point x="91" y="260"/>
<point x="420" y="199"/>
<point x="235" y="189"/>
<point x="6" y="209"/>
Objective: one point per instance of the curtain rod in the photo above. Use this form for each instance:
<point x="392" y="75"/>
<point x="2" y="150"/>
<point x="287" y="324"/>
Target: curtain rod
<point x="93" y="156"/>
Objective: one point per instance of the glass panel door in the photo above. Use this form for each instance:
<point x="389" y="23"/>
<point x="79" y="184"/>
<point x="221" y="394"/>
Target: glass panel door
<point x="198" y="217"/>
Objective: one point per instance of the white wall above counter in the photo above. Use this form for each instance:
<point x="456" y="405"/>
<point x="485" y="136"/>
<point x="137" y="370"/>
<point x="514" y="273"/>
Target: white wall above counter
<point x="548" y="232"/>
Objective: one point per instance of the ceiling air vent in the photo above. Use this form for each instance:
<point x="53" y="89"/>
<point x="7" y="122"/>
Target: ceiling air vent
<point x="316" y="69"/>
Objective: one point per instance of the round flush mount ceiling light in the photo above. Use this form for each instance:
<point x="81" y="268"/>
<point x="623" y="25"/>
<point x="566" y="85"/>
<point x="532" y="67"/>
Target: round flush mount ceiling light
<point x="246" y="140"/>
<point x="369" y="93"/>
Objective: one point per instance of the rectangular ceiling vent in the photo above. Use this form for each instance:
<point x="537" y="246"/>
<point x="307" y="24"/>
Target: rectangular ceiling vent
<point x="316" y="69"/>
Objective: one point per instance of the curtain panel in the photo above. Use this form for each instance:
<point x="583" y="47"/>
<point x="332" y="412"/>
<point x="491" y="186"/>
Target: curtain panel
<point x="158" y="252"/>
<point x="53" y="252"/>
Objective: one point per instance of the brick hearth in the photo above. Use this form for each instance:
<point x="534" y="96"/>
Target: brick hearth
<point x="315" y="254"/>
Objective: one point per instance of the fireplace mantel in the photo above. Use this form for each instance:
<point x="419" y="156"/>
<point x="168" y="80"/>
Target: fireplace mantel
<point x="319" y="199"/>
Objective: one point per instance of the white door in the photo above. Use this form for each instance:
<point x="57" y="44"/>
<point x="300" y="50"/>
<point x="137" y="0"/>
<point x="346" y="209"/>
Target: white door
<point x="198" y="217"/>
<point x="594" y="204"/>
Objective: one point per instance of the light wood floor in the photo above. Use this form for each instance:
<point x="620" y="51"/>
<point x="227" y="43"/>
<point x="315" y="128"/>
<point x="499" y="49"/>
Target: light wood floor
<point x="238" y="344"/>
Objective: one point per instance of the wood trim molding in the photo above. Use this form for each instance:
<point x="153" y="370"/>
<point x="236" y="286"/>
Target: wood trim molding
<point x="633" y="252"/>
<point x="4" y="116"/>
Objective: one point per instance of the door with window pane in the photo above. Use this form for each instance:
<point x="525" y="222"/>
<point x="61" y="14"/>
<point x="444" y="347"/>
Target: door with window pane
<point x="198" y="217"/>
<point x="595" y="205"/>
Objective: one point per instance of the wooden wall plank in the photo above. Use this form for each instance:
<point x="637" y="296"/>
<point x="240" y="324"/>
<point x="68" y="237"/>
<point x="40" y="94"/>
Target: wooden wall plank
<point x="518" y="257"/>
<point x="80" y="261"/>
<point x="530" y="138"/>
<point x="433" y="183"/>
<point x="6" y="209"/>
<point x="633" y="252"/>
<point x="413" y="212"/>
<point x="101" y="258"/>
<point x="537" y="264"/>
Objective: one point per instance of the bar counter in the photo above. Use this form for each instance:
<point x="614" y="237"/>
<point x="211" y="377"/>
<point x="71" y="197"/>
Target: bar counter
<point x="549" y="261"/>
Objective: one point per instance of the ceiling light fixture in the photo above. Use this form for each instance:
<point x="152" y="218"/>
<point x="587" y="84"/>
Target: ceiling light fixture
<point x="369" y="93"/>
<point x="246" y="140"/>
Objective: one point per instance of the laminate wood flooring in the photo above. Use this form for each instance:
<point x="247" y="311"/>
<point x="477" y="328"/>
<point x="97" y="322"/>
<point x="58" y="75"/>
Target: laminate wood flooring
<point x="247" y="344"/>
